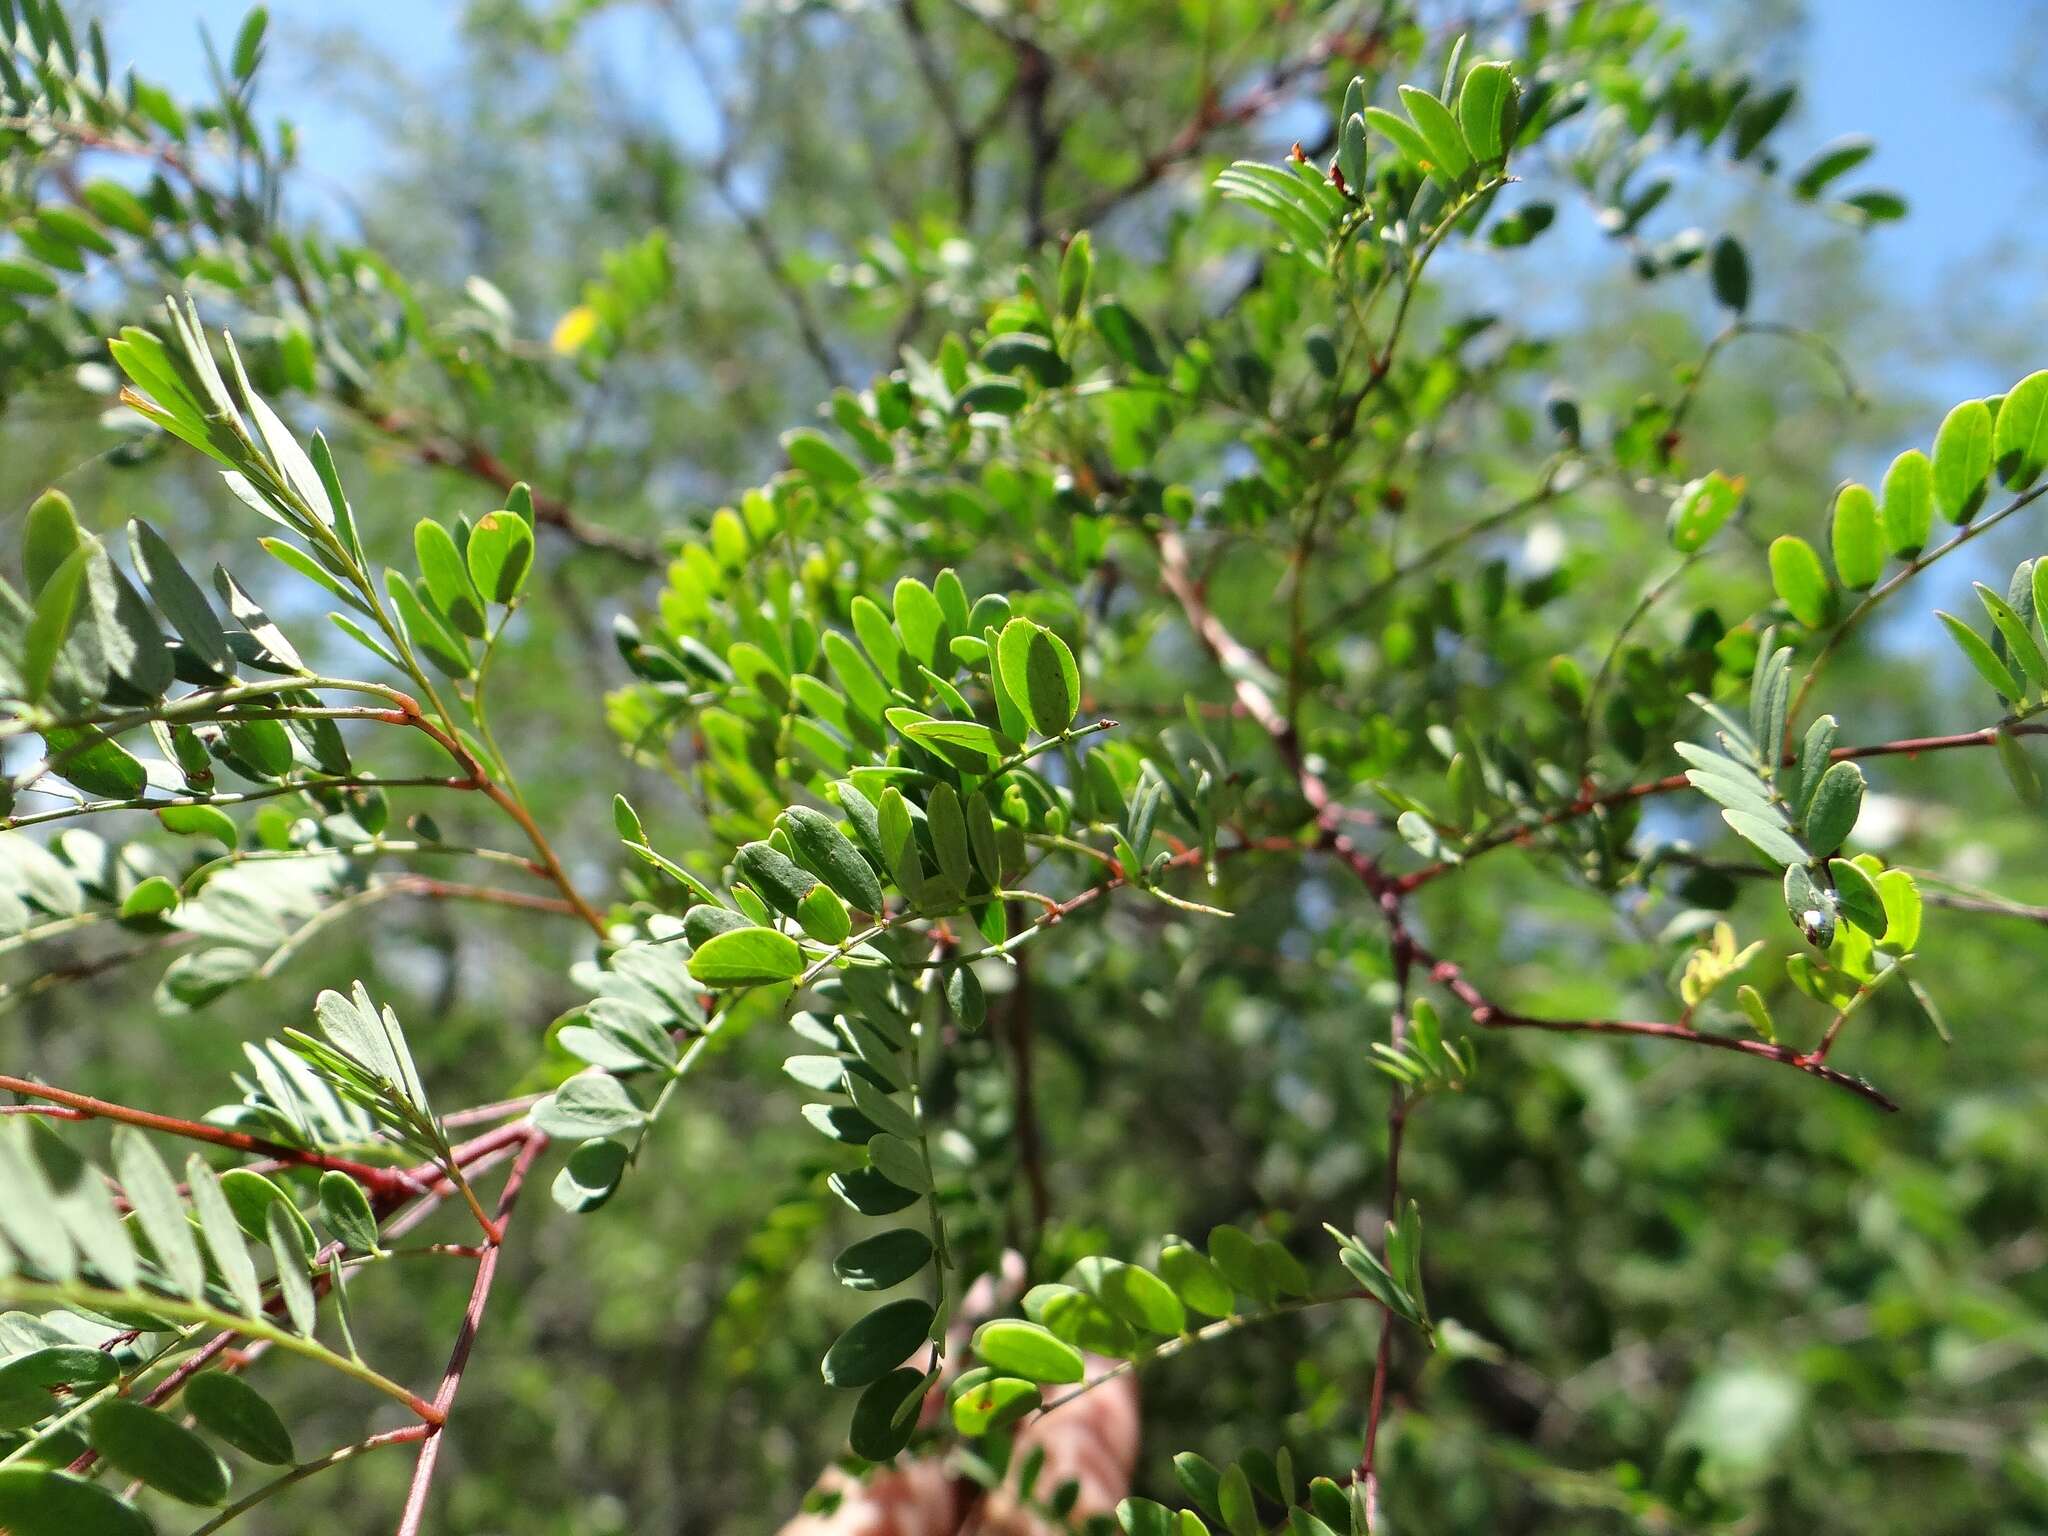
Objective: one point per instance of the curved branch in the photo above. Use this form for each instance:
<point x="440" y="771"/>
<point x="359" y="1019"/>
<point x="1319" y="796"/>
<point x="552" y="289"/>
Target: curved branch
<point x="378" y="1180"/>
<point x="1523" y="834"/>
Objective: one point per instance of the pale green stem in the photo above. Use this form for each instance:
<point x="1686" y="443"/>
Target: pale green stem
<point x="66" y="1295"/>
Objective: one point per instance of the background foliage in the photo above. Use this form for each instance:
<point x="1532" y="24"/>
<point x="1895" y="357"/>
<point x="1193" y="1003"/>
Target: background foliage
<point x="1672" y="1288"/>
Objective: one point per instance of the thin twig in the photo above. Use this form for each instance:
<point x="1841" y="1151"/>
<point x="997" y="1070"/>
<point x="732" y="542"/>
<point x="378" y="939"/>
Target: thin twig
<point x="410" y="1521"/>
<point x="391" y="1180"/>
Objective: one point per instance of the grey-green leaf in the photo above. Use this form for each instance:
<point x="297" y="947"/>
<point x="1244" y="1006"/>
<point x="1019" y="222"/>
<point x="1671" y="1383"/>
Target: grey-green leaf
<point x="179" y="598"/>
<point x="589" y="1104"/>
<point x="1837" y="801"/>
<point x="223" y="1236"/>
<point x="288" y="1249"/>
<point x="153" y="1196"/>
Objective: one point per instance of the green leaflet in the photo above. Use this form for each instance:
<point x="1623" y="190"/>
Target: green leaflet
<point x="1962" y="460"/>
<point x="1802" y="586"/>
<point x="1028" y="1350"/>
<point x="746" y="957"/>
<point x="1857" y="538"/>
<point x="39" y="1501"/>
<point x="154" y="1447"/>
<point x="878" y="1343"/>
<point x="2019" y="441"/>
<point x="1908" y="504"/>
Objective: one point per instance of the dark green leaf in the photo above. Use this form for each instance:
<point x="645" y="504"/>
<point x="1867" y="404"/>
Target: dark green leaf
<point x="233" y="1411"/>
<point x="886" y="1416"/>
<point x="948" y="826"/>
<point x="964" y="997"/>
<point x="1812" y="909"/>
<point x="868" y="1192"/>
<point x="29" y="1382"/>
<point x="900" y="1162"/>
<point x="178" y="597"/>
<point x="1830" y="161"/>
<point x="37" y="1501"/>
<point x="1127" y="338"/>
<point x="878" y="1343"/>
<point x="156" y="1448"/>
<point x="775" y="876"/>
<point x="1730" y="271"/>
<point x="888" y="1258"/>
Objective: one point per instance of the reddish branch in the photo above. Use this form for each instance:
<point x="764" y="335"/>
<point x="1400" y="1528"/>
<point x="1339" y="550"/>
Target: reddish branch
<point x="429" y="1186"/>
<point x="1490" y="1015"/>
<point x="1390" y="889"/>
<point x="472" y="1319"/>
<point x="1404" y="956"/>
<point x="409" y="713"/>
<point x="374" y="1179"/>
<point x="1213" y="117"/>
<point x="1244" y="668"/>
<point x="1030" y="1140"/>
<point x="479" y="463"/>
<point x="1524" y="835"/>
<point x="456" y="890"/>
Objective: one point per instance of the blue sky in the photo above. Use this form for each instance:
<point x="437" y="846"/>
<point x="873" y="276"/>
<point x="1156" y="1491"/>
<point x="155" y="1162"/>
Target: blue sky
<point x="1934" y="83"/>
